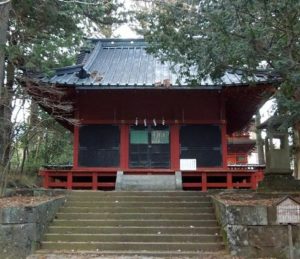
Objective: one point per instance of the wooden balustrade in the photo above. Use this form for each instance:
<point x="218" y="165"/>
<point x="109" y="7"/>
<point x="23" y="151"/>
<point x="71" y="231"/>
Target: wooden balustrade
<point x="233" y="177"/>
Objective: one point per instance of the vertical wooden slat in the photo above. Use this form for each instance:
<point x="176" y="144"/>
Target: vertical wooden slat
<point x="69" y="180"/>
<point x="253" y="180"/>
<point x="46" y="180"/>
<point x="95" y="181"/>
<point x="229" y="180"/>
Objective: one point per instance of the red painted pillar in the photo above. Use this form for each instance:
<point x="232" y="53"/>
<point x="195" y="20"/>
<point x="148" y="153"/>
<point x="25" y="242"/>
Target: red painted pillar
<point x="223" y="128"/>
<point x="224" y="144"/>
<point x="46" y="180"/>
<point x="254" y="181"/>
<point x="76" y="146"/>
<point x="95" y="181"/>
<point x="124" y="146"/>
<point x="229" y="180"/>
<point x="175" y="147"/>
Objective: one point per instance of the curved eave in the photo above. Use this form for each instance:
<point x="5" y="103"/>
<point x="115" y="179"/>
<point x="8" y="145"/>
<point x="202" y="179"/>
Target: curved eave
<point x="240" y="145"/>
<point x="153" y="86"/>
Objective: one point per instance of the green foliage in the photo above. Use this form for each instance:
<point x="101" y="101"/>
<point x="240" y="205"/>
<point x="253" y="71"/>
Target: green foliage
<point x="218" y="35"/>
<point x="47" y="142"/>
<point x="46" y="34"/>
<point x="42" y="35"/>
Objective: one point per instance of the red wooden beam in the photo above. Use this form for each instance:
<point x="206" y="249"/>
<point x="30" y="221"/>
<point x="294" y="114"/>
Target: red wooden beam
<point x="229" y="180"/>
<point x="57" y="184"/>
<point x="83" y="184"/>
<point x="224" y="145"/>
<point x="175" y="147"/>
<point x="192" y="185"/>
<point x="46" y="180"/>
<point x="124" y="146"/>
<point x="94" y="181"/>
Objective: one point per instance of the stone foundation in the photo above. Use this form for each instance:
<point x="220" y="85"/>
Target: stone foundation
<point x="252" y="231"/>
<point x="22" y="228"/>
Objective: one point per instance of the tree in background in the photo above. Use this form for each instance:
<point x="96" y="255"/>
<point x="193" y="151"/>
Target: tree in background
<point x="40" y="35"/>
<point x="214" y="36"/>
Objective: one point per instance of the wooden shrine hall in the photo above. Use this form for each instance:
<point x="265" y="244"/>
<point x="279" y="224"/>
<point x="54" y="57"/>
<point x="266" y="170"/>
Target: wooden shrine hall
<point x="131" y="115"/>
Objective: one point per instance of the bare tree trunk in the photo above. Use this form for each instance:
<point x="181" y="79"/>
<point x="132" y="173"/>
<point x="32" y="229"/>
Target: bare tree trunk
<point x="297" y="151"/>
<point x="24" y="156"/>
<point x="30" y="134"/>
<point x="6" y="126"/>
<point x="4" y="14"/>
<point x="4" y="167"/>
<point x="6" y="113"/>
<point x="259" y="141"/>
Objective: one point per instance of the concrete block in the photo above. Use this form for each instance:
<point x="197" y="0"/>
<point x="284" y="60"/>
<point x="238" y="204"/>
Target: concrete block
<point x="119" y="180"/>
<point x="178" y="180"/>
<point x="146" y="182"/>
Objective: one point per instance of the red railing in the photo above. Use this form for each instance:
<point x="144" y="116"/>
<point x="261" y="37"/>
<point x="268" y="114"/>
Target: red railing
<point x="233" y="177"/>
<point x="78" y="179"/>
<point x="239" y="177"/>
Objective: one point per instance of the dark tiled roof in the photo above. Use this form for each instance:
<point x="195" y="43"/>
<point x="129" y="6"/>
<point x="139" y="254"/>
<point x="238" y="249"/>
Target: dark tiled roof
<point x="125" y="63"/>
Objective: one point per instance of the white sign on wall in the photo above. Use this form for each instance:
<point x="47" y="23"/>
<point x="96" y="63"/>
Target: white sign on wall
<point x="288" y="211"/>
<point x="188" y="164"/>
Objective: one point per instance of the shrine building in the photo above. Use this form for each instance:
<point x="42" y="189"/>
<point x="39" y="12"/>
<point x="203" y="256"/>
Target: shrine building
<point x="132" y="114"/>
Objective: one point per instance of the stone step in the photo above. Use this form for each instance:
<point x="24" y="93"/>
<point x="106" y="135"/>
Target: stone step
<point x="133" y="204"/>
<point x="134" y="230"/>
<point x="135" y="216"/>
<point x="80" y="193"/>
<point x="140" y="199"/>
<point x="122" y="209"/>
<point x="137" y="238"/>
<point x="136" y="223"/>
<point x="137" y="246"/>
<point x="127" y="254"/>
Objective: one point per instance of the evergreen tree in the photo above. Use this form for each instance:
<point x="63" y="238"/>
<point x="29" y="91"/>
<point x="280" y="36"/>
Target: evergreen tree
<point x="218" y="35"/>
<point x="214" y="36"/>
<point x="41" y="35"/>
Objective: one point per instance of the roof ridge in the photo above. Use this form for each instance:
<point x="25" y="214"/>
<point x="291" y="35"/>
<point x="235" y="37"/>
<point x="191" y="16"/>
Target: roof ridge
<point x="92" y="57"/>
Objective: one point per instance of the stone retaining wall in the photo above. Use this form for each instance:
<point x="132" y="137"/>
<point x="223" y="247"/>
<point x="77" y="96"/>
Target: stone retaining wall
<point x="252" y="231"/>
<point x="22" y="228"/>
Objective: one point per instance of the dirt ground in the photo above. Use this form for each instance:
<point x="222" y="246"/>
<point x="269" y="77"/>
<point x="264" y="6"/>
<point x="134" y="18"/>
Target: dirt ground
<point x="253" y="198"/>
<point x="23" y="201"/>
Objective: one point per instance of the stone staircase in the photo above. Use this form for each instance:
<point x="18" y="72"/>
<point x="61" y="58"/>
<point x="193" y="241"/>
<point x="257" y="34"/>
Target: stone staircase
<point x="171" y="224"/>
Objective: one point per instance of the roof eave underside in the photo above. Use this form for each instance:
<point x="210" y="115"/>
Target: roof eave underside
<point x="157" y="87"/>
